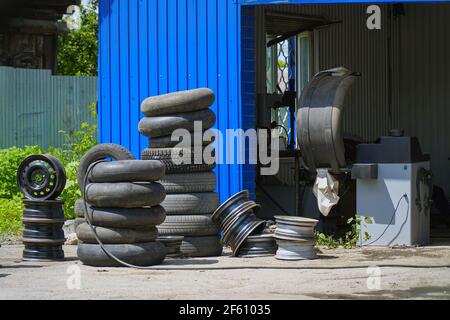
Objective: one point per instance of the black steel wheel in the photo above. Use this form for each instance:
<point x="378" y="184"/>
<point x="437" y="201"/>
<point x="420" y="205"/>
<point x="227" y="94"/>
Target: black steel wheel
<point x="228" y="207"/>
<point x="41" y="177"/>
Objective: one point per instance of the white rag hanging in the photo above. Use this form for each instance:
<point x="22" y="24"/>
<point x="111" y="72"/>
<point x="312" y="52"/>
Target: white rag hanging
<point x="326" y="189"/>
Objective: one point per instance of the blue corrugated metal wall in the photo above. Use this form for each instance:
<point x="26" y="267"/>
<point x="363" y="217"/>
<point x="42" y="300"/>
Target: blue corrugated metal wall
<point x="248" y="87"/>
<point x="151" y="47"/>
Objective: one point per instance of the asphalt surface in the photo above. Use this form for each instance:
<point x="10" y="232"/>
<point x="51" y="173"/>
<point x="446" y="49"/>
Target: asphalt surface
<point x="422" y="273"/>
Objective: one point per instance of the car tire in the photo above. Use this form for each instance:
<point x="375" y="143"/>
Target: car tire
<point x="97" y="153"/>
<point x="142" y="255"/>
<point x="188" y="226"/>
<point x="201" y="247"/>
<point x="116" y="235"/>
<point x="191" y="203"/>
<point x="127" y="171"/>
<point x="165" y="155"/>
<point x="125" y="195"/>
<point x="154" y="127"/>
<point x="122" y="218"/>
<point x="166" y="141"/>
<point x="182" y="101"/>
<point x="190" y="182"/>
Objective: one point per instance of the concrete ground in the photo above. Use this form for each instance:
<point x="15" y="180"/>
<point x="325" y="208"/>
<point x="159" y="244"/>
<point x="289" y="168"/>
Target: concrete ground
<point x="422" y="273"/>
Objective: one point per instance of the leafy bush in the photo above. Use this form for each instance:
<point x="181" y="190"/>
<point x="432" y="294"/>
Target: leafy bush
<point x="351" y="238"/>
<point x="77" y="50"/>
<point x="75" y="147"/>
<point x="10" y="160"/>
<point x="10" y="216"/>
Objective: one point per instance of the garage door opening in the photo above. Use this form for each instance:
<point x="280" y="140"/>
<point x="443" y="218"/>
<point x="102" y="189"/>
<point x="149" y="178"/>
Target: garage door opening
<point x="404" y="72"/>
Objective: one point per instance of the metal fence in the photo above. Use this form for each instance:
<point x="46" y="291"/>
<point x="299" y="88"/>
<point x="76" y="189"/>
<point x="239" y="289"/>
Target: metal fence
<point x="36" y="106"/>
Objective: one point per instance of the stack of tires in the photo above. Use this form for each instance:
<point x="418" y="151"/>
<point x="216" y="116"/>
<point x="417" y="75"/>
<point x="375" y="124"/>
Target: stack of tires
<point x="122" y="206"/>
<point x="190" y="185"/>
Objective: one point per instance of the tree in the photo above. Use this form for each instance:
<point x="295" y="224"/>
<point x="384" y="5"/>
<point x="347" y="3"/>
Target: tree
<point x="77" y="50"/>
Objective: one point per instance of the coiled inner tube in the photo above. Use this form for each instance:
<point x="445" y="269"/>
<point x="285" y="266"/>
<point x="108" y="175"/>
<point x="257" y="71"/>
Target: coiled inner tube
<point x="88" y="219"/>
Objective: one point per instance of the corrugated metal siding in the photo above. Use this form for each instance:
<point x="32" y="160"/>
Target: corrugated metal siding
<point x="424" y="83"/>
<point x="366" y="115"/>
<point x="405" y="72"/>
<point x="248" y="85"/>
<point x="36" y="106"/>
<point x="151" y="47"/>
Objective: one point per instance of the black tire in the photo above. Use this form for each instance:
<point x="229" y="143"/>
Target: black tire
<point x="154" y="127"/>
<point x="172" y="245"/>
<point x="101" y="152"/>
<point x="127" y="171"/>
<point x="166" y="141"/>
<point x="182" y="101"/>
<point x="191" y="203"/>
<point x="190" y="182"/>
<point x="188" y="226"/>
<point x="142" y="255"/>
<point x="125" y="195"/>
<point x="165" y="155"/>
<point x="116" y="236"/>
<point x="122" y="218"/>
<point x="201" y="247"/>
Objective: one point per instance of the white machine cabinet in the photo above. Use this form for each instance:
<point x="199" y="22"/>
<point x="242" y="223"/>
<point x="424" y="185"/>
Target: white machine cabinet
<point x="394" y="190"/>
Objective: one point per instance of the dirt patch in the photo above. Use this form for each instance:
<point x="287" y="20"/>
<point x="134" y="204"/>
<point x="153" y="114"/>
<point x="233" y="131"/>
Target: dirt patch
<point x="432" y="293"/>
<point x="10" y="240"/>
<point x="395" y="253"/>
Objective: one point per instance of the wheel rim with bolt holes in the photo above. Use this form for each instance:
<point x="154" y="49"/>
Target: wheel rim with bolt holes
<point x="41" y="177"/>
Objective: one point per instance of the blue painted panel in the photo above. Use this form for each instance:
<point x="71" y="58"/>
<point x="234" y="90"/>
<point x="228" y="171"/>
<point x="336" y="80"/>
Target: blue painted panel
<point x="143" y="60"/>
<point x="134" y="109"/>
<point x="248" y="89"/>
<point x="151" y="47"/>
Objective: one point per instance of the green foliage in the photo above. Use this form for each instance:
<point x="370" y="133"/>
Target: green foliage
<point x="77" y="51"/>
<point x="10" y="216"/>
<point x="10" y="160"/>
<point x="282" y="64"/>
<point x="10" y="197"/>
<point x="351" y="238"/>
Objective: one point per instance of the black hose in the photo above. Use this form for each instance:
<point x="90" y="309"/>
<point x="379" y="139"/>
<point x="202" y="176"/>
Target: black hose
<point x="405" y="196"/>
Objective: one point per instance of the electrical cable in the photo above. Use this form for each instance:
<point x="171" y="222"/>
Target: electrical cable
<point x="89" y="222"/>
<point x="405" y="196"/>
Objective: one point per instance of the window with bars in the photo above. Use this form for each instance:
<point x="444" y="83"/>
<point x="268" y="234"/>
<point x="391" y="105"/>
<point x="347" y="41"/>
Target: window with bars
<point x="288" y="60"/>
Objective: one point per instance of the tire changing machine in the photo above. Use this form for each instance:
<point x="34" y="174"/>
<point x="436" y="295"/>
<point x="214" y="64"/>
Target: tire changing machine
<point x="394" y="181"/>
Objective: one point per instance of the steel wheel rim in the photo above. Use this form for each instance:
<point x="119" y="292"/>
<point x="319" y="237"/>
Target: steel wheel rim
<point x="243" y="234"/>
<point x="229" y="204"/>
<point x="41" y="177"/>
<point x="237" y="216"/>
